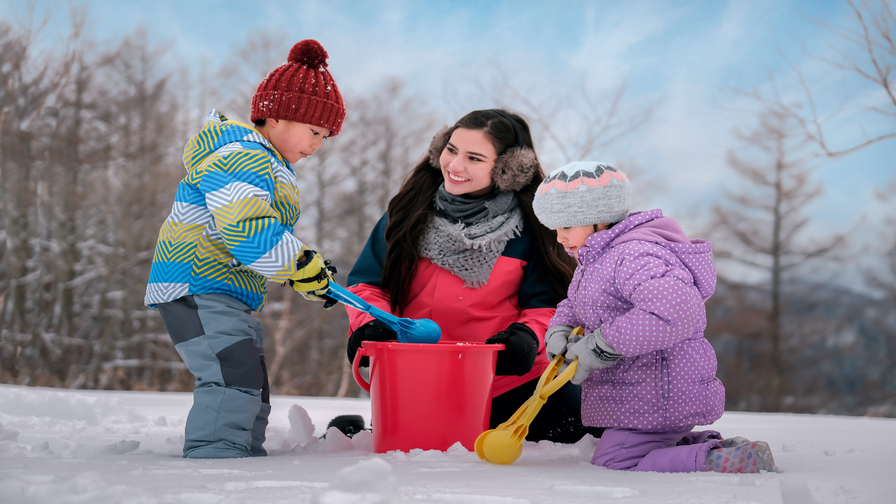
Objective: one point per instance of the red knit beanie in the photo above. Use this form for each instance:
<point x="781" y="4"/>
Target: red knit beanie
<point x="302" y="90"/>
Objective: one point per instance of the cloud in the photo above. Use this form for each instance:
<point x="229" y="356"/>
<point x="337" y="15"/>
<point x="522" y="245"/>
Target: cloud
<point x="687" y="58"/>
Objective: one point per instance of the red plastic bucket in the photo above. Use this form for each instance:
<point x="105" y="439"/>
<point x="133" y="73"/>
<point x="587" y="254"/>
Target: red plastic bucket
<point x="428" y="396"/>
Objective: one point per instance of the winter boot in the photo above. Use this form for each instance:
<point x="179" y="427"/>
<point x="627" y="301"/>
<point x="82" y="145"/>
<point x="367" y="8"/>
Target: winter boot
<point x="730" y="442"/>
<point x="744" y="457"/>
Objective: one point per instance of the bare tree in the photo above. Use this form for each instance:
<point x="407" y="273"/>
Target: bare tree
<point x="84" y="148"/>
<point x="883" y="280"/>
<point x="594" y="121"/>
<point x="863" y="53"/>
<point x="737" y="326"/>
<point x="762" y="225"/>
<point x="867" y="50"/>
<point x="236" y="81"/>
<point x="29" y="82"/>
<point x="386" y="133"/>
<point x="142" y="161"/>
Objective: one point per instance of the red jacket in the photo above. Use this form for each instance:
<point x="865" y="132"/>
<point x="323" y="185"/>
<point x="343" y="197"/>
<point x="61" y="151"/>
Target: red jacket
<point x="515" y="292"/>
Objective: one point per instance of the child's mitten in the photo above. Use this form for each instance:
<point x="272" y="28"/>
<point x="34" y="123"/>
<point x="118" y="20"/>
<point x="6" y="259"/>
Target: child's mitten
<point x="556" y="340"/>
<point x="593" y="352"/>
<point x="312" y="278"/>
<point x="520" y="350"/>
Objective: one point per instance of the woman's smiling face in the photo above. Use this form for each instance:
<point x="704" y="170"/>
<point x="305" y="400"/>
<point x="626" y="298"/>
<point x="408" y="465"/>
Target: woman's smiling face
<point x="467" y="163"/>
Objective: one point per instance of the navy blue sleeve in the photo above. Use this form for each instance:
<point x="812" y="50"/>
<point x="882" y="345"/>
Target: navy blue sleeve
<point x="368" y="269"/>
<point x="534" y="292"/>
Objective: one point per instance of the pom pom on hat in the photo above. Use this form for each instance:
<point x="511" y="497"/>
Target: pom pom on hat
<point x="309" y="53"/>
<point x="581" y="194"/>
<point x="302" y="90"/>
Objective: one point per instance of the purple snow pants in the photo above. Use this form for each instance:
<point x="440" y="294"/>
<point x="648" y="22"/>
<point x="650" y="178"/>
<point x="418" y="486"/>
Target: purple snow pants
<point x="632" y="450"/>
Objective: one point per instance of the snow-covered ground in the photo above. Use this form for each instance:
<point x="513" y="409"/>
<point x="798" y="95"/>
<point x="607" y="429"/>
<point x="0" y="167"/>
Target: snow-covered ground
<point x="59" y="446"/>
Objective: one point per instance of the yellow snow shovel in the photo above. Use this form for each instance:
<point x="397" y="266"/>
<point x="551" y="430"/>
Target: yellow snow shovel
<point x="504" y="444"/>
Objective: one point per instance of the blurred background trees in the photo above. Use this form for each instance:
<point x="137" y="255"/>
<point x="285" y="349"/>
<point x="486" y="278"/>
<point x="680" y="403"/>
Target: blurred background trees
<point x="90" y="155"/>
<point x="797" y="339"/>
<point x="760" y="226"/>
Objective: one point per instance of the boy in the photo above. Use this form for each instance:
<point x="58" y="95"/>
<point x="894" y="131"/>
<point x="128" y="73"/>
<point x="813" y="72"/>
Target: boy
<point x="230" y="230"/>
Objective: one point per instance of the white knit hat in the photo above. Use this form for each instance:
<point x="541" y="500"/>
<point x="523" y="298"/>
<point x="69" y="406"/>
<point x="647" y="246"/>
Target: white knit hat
<point x="582" y="193"/>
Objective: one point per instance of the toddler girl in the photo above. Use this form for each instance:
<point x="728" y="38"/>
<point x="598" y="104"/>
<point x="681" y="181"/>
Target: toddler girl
<point x="646" y="370"/>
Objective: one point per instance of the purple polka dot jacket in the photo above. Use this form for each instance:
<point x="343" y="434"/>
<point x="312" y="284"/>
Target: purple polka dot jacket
<point x="643" y="283"/>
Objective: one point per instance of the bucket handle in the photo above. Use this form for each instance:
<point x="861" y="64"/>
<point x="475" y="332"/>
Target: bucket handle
<point x="364" y="384"/>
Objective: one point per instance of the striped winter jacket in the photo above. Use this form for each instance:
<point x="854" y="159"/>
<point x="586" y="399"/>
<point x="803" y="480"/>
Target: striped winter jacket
<point x="231" y="224"/>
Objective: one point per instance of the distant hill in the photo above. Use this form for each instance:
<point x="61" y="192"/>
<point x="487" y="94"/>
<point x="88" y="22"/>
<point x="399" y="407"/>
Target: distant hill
<point x="839" y="349"/>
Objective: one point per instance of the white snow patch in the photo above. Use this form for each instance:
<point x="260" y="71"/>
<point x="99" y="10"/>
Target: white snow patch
<point x="474" y="499"/>
<point x="301" y="428"/>
<point x="55" y="456"/>
<point x="597" y="492"/>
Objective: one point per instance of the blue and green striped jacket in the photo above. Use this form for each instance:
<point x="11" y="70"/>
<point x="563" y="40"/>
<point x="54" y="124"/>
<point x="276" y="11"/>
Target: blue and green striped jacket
<point x="231" y="225"/>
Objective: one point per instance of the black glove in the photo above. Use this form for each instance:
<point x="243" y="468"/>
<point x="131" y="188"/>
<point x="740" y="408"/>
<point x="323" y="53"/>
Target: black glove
<point x="329" y="302"/>
<point x="520" y="349"/>
<point x="375" y="330"/>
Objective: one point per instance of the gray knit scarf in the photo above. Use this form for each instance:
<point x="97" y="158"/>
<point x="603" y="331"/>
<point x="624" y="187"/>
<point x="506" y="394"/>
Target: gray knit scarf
<point x="467" y="235"/>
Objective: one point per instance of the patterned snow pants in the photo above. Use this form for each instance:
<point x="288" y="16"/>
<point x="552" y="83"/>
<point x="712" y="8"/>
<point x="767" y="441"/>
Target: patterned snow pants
<point x="223" y="347"/>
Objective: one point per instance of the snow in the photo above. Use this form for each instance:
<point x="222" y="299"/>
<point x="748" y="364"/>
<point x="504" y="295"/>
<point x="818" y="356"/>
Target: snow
<point x="64" y="446"/>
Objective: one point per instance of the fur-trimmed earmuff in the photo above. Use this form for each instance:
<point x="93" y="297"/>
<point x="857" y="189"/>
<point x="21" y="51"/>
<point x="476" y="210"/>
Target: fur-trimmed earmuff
<point x="513" y="169"/>
<point x="438" y="144"/>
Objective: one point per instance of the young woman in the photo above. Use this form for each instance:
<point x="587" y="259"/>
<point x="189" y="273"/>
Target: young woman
<point x="460" y="244"/>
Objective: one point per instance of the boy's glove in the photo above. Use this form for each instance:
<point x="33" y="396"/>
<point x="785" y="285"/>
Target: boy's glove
<point x="375" y="330"/>
<point x="593" y="353"/>
<point x="312" y="278"/>
<point x="520" y="349"/>
<point x="556" y="340"/>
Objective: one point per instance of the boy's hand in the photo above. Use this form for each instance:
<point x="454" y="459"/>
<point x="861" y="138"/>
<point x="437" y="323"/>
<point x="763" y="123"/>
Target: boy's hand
<point x="312" y="278"/>
<point x="593" y="353"/>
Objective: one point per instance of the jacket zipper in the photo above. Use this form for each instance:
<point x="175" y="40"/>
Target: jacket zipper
<point x="664" y="375"/>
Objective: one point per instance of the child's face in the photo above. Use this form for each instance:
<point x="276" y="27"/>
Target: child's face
<point x="295" y="140"/>
<point x="467" y="163"/>
<point x="573" y="238"/>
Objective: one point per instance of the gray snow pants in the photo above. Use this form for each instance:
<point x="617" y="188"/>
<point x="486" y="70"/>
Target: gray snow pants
<point x="223" y="346"/>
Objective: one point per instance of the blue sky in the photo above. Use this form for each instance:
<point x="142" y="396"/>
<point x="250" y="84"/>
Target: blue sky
<point x="685" y="57"/>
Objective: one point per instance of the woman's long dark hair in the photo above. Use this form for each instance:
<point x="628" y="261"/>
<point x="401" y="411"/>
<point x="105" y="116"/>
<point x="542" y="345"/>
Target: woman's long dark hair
<point x="410" y="211"/>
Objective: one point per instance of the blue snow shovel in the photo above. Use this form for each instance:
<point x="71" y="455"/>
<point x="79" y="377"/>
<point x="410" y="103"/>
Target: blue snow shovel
<point x="409" y="330"/>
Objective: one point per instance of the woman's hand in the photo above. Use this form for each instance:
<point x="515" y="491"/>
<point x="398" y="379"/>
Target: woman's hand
<point x="375" y="330"/>
<point x="520" y="349"/>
